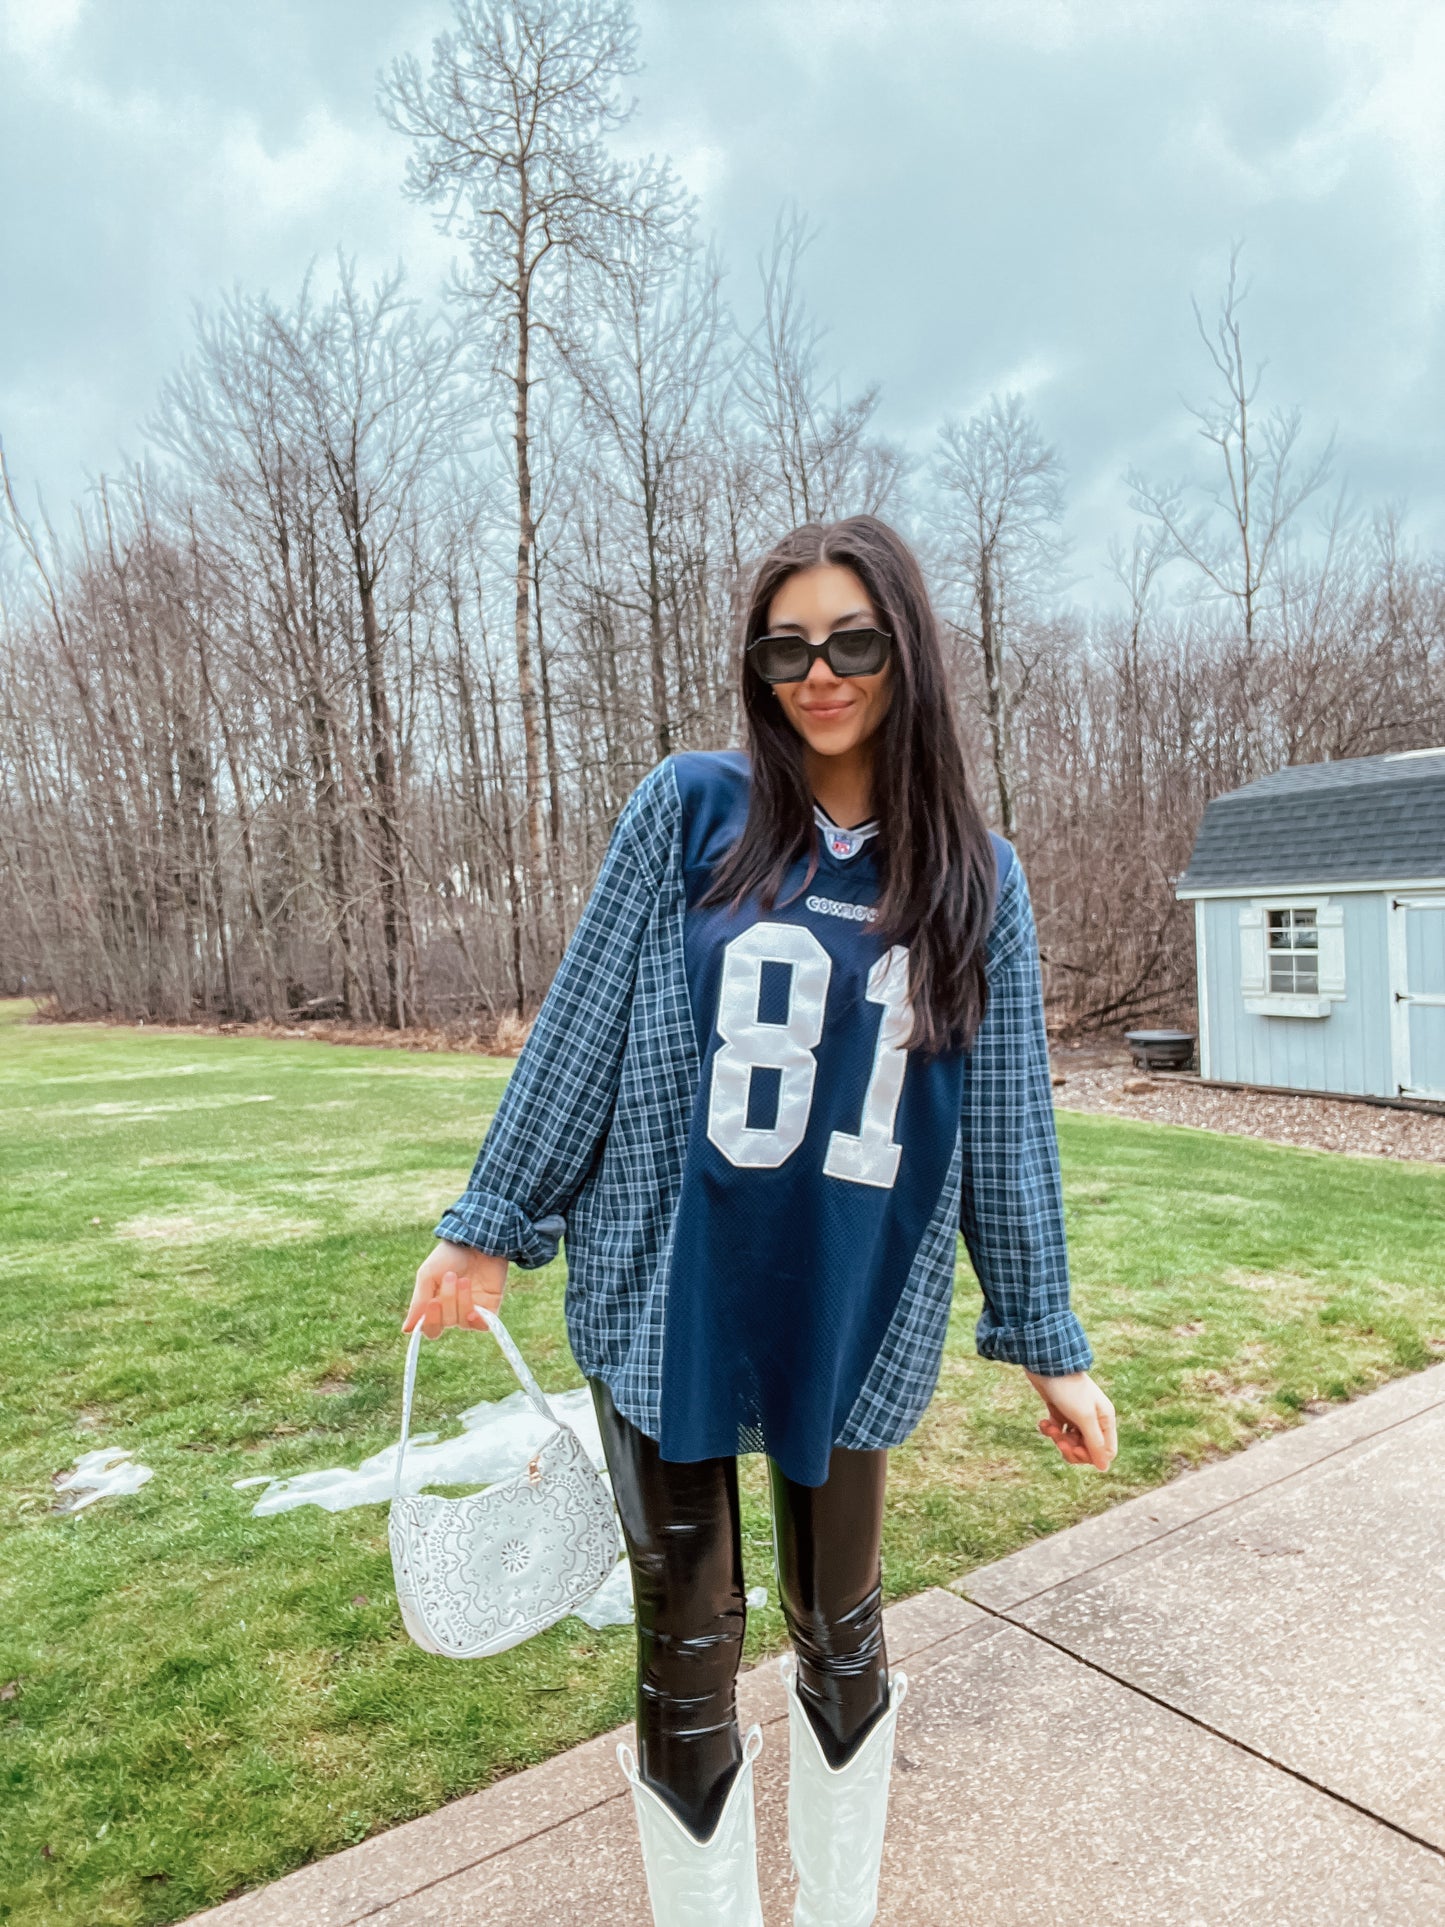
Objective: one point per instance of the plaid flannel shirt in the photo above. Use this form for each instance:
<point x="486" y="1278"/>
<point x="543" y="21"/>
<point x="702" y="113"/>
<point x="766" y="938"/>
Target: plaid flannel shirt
<point x="590" y="1135"/>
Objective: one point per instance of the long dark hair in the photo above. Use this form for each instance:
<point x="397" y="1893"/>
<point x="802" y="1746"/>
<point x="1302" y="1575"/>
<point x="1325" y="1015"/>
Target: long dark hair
<point x="936" y="862"/>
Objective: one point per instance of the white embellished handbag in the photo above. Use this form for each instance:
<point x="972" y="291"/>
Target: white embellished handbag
<point x="479" y="1574"/>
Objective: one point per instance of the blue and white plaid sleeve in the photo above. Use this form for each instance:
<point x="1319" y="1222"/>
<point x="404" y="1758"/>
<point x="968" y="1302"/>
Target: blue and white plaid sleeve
<point x="1011" y="1209"/>
<point x="558" y="1102"/>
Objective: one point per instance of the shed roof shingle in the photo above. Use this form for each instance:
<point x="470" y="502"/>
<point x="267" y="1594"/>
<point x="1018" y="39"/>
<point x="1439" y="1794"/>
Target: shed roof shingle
<point x="1361" y="820"/>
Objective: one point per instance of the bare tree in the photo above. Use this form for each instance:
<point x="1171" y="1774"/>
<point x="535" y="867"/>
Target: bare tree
<point x="1234" y="537"/>
<point x="1138" y="573"/>
<point x="998" y="515"/>
<point x="643" y="367"/>
<point x="228" y="416"/>
<point x="508" y="131"/>
<point x="818" y="445"/>
<point x="371" y="383"/>
<point x="273" y="740"/>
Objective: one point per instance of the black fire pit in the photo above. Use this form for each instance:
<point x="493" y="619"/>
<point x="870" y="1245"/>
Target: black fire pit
<point x="1161" y="1050"/>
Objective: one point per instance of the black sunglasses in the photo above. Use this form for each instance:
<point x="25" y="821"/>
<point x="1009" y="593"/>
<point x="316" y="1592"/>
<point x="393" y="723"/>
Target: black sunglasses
<point x="848" y="652"/>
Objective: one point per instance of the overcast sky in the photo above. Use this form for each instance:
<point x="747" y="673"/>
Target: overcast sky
<point x="1012" y="194"/>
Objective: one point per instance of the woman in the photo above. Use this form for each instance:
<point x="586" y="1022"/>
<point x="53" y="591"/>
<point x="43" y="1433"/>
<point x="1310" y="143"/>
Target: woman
<point x="795" y="1045"/>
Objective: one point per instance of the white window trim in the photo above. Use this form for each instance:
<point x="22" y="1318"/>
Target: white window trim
<point x="1397" y="906"/>
<point x="1201" y="961"/>
<point x="1329" y="916"/>
<point x="1280" y="1003"/>
<point x="1359" y="887"/>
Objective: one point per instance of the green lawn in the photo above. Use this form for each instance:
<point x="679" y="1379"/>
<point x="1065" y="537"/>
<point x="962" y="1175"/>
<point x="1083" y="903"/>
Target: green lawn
<point x="206" y="1700"/>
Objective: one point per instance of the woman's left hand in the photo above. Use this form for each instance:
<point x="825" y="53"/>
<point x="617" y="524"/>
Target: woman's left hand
<point x="1080" y="1418"/>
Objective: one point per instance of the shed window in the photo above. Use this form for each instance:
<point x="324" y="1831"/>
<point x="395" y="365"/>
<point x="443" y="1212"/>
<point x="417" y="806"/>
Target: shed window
<point x="1294" y="956"/>
<point x="1291" y="956"/>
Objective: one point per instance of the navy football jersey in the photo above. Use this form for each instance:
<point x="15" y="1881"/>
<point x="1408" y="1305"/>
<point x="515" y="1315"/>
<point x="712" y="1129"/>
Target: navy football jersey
<point x="816" y="1153"/>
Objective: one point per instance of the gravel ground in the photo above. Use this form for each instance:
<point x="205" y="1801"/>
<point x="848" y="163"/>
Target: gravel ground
<point x="1095" y="1081"/>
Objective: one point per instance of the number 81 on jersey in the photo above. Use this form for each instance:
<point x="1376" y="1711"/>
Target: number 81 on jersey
<point x="869" y="1156"/>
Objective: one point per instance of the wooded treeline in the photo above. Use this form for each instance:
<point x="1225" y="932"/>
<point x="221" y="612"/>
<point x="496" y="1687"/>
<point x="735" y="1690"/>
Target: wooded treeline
<point x="329" y="708"/>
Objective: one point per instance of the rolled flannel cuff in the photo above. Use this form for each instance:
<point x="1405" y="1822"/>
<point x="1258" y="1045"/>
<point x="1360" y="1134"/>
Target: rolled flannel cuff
<point x="496" y="1225"/>
<point x="1053" y="1346"/>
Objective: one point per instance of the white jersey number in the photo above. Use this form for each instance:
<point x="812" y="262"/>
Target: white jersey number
<point x="751" y="1045"/>
<point x="870" y="1157"/>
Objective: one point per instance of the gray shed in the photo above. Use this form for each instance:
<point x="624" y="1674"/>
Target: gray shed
<point x="1319" y="920"/>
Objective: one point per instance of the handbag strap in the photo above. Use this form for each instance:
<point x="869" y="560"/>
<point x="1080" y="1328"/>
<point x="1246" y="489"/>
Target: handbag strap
<point x="509" y="1351"/>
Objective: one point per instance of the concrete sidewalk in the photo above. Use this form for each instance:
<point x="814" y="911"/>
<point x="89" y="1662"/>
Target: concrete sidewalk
<point x="1221" y="1702"/>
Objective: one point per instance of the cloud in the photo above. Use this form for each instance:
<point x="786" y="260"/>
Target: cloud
<point x="170" y="171"/>
<point x="1010" y="194"/>
<point x="1401" y="43"/>
<point x="30" y="30"/>
<point x="1029" y="378"/>
<point x="260" y="185"/>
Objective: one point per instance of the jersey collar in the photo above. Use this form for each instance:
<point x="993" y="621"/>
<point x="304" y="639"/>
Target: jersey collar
<point x="839" y="842"/>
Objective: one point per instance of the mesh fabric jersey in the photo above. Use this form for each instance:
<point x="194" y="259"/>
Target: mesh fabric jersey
<point x="761" y="1190"/>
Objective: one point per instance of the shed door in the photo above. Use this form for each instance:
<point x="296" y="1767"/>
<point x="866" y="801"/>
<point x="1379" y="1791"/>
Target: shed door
<point x="1417" y="994"/>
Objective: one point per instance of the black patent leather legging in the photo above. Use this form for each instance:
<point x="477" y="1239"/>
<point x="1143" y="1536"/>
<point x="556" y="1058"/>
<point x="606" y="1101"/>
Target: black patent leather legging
<point x="684" y="1544"/>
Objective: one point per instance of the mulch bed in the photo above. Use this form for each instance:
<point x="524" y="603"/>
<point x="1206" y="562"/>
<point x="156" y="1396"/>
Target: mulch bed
<point x="1096" y="1076"/>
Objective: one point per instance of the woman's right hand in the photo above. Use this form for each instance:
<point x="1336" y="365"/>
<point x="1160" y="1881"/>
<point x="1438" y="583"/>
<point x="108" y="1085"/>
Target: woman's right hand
<point x="450" y="1284"/>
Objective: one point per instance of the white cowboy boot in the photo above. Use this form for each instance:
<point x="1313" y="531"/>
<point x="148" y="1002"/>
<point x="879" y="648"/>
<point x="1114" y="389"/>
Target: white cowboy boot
<point x="700" y="1883"/>
<point x="836" y="1816"/>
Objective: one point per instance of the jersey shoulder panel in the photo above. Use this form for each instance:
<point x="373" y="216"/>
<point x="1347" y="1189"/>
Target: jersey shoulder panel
<point x="713" y="787"/>
<point x="1012" y="924"/>
<point x="702" y="773"/>
<point x="1005" y="856"/>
